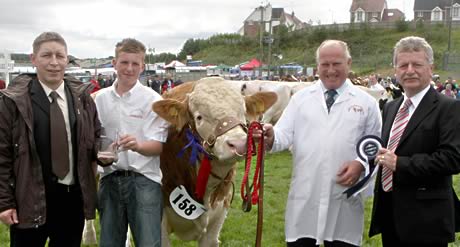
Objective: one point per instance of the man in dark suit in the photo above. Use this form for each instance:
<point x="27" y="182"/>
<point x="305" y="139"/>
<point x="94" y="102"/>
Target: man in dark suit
<point x="414" y="199"/>
<point x="48" y="130"/>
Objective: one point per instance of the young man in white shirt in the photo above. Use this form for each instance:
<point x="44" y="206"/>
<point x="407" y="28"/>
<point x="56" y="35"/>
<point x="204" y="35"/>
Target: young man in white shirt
<point x="130" y="187"/>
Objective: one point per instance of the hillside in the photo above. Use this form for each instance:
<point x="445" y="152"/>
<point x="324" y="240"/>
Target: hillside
<point x="371" y="48"/>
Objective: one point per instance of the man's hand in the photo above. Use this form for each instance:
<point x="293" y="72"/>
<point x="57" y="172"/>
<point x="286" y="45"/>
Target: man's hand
<point x="349" y="173"/>
<point x="9" y="217"/>
<point x="128" y="142"/>
<point x="386" y="158"/>
<point x="269" y="136"/>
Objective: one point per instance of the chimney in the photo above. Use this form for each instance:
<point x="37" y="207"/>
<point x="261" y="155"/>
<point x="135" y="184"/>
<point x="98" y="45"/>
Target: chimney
<point x="292" y="13"/>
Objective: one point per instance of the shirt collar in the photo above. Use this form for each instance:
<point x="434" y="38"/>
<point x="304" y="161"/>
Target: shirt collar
<point x="127" y="94"/>
<point x="60" y="90"/>
<point x="339" y="90"/>
<point x="418" y="97"/>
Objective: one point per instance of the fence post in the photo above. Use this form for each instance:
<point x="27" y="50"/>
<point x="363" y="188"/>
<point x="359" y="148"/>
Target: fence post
<point x="445" y="61"/>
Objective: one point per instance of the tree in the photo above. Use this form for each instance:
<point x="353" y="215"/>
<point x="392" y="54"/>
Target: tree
<point x="190" y="47"/>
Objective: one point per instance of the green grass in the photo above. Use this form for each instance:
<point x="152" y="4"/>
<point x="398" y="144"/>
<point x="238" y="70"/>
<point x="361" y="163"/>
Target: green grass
<point x="240" y="228"/>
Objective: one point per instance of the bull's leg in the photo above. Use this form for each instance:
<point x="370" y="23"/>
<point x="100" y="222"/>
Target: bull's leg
<point x="89" y="233"/>
<point x="164" y="232"/>
<point x="216" y="221"/>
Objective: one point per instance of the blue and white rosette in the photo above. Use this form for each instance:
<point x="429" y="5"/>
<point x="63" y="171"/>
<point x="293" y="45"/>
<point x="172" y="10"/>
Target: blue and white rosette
<point x="367" y="149"/>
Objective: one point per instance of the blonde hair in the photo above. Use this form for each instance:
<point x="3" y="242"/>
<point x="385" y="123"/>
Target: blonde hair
<point x="129" y="45"/>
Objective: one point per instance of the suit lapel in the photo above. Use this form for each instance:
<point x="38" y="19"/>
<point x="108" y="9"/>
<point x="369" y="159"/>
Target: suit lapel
<point x="70" y="105"/>
<point x="392" y="110"/>
<point x="427" y="104"/>
<point x="39" y="97"/>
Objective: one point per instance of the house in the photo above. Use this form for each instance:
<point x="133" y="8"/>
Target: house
<point x="436" y="10"/>
<point x="373" y="11"/>
<point x="392" y="15"/>
<point x="271" y="18"/>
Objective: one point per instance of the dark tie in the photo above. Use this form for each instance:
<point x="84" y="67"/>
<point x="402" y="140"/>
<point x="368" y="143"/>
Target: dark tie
<point x="59" y="144"/>
<point x="330" y="98"/>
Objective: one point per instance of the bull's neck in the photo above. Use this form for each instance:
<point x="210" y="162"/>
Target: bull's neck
<point x="219" y="171"/>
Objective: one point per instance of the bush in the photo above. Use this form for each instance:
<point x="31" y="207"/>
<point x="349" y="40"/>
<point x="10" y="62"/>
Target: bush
<point x="419" y="25"/>
<point x="402" y="25"/>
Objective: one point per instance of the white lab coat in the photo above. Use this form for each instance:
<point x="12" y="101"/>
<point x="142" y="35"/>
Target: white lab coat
<point x="322" y="142"/>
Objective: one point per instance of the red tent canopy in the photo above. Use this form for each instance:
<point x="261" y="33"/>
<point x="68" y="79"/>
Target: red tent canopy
<point x="254" y="63"/>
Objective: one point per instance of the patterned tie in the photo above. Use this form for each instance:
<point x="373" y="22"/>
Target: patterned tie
<point x="59" y="144"/>
<point x="330" y="98"/>
<point x="399" y="125"/>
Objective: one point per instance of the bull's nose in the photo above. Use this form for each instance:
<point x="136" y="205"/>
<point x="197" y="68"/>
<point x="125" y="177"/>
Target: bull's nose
<point x="237" y="145"/>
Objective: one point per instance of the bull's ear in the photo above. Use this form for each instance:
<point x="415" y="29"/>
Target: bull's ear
<point x="172" y="111"/>
<point x="258" y="103"/>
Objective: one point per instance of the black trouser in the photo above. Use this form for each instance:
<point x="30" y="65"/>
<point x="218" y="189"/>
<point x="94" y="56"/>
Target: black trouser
<point x="309" y="242"/>
<point x="389" y="236"/>
<point x="64" y="223"/>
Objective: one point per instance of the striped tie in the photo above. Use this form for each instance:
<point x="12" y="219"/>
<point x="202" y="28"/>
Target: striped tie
<point x="399" y="125"/>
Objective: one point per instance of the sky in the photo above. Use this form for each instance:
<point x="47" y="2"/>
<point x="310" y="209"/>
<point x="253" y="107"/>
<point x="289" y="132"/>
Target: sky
<point x="91" y="28"/>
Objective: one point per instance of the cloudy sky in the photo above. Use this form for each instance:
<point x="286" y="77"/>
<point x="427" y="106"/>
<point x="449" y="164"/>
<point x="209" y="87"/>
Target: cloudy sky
<point x="92" y="27"/>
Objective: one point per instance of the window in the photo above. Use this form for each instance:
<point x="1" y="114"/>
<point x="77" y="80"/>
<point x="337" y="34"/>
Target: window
<point x="436" y="15"/>
<point x="375" y="14"/>
<point x="420" y="14"/>
<point x="359" y="16"/>
<point x="455" y="12"/>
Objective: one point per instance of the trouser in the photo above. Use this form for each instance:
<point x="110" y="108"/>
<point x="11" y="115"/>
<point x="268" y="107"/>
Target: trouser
<point x="64" y="221"/>
<point x="127" y="197"/>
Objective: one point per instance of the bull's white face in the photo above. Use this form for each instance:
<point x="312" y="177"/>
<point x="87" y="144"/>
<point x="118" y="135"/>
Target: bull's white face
<point x="209" y="104"/>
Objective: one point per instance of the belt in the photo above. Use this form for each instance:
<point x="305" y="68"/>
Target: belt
<point x="67" y="188"/>
<point x="124" y="173"/>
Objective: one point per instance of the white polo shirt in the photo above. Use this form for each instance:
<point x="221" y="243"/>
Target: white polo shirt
<point x="132" y="114"/>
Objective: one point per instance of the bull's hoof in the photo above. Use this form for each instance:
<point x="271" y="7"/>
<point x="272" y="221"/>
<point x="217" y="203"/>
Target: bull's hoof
<point x="246" y="206"/>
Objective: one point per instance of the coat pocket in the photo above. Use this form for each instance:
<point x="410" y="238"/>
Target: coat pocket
<point x="432" y="194"/>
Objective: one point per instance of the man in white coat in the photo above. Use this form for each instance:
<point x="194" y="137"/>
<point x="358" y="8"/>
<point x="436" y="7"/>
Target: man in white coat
<point x="323" y="123"/>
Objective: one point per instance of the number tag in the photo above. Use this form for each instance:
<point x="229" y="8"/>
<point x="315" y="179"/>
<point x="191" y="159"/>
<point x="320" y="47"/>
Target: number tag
<point x="184" y="205"/>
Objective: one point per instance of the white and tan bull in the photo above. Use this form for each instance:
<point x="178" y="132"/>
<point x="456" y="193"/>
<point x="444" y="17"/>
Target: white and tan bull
<point x="216" y="114"/>
<point x="284" y="91"/>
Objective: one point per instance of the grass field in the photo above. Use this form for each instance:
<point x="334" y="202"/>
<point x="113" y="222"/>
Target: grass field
<point x="240" y="228"/>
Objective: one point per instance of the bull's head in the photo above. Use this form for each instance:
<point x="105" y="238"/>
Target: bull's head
<point x="217" y="113"/>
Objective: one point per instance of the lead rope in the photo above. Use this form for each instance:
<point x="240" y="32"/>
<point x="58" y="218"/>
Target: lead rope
<point x="258" y="180"/>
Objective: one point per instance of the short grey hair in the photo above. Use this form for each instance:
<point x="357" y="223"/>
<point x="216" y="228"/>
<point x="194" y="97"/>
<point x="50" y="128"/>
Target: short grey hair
<point x="413" y="44"/>
<point x="342" y="44"/>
